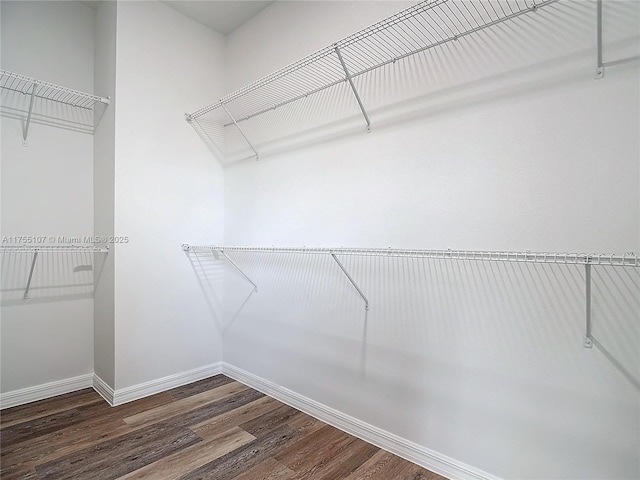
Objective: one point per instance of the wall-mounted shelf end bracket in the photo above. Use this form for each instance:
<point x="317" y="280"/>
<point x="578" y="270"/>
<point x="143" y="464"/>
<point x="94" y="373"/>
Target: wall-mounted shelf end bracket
<point x="600" y="64"/>
<point x="349" y="79"/>
<point x="588" y="339"/>
<point x="352" y="281"/>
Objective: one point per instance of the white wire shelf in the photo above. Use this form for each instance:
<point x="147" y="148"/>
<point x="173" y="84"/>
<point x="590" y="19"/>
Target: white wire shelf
<point x="610" y="259"/>
<point x="428" y="24"/>
<point x="40" y="249"/>
<point x="34" y="88"/>
<point x="586" y="260"/>
<point x="48" y="91"/>
<point x="53" y="249"/>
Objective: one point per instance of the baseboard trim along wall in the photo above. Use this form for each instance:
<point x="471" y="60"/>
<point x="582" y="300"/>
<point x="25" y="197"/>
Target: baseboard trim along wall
<point x="406" y="449"/>
<point x="46" y="390"/>
<point x="136" y="392"/>
<point x="103" y="389"/>
<point x="113" y="397"/>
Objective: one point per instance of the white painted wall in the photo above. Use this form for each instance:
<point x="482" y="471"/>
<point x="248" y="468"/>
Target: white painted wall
<point x="46" y="191"/>
<point x="104" y="190"/>
<point x="509" y="149"/>
<point x="168" y="191"/>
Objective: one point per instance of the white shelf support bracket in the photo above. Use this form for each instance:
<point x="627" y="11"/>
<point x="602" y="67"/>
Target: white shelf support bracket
<point x="241" y="133"/>
<point x="255" y="287"/>
<point x="352" y="281"/>
<point x="600" y="65"/>
<point x="353" y="88"/>
<point x="33" y="266"/>
<point x="588" y="340"/>
<point x="26" y="126"/>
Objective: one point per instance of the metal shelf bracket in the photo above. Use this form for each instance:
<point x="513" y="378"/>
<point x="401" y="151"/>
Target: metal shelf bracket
<point x="33" y="266"/>
<point x="600" y="64"/>
<point x="255" y="287"/>
<point x="353" y="88"/>
<point x="187" y="249"/>
<point x="588" y="340"/>
<point x="239" y="129"/>
<point x="26" y="126"/>
<point x="352" y="281"/>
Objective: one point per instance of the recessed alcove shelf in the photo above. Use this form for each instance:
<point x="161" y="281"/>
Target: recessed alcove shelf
<point x="34" y="88"/>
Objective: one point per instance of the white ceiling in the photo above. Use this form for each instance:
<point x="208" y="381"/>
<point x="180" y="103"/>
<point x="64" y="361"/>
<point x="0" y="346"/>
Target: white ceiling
<point x="223" y="16"/>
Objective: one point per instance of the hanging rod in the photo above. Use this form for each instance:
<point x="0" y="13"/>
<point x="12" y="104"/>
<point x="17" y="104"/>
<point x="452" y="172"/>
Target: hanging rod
<point x="47" y="91"/>
<point x="617" y="260"/>
<point x="423" y="26"/>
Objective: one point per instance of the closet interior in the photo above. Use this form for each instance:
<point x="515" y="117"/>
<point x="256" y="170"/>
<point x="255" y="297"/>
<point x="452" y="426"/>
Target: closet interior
<point x="423" y="229"/>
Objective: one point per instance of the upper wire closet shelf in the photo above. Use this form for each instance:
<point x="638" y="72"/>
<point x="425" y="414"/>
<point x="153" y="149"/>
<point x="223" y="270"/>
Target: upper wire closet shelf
<point x="48" y="91"/>
<point x="426" y="25"/>
<point x="35" y="88"/>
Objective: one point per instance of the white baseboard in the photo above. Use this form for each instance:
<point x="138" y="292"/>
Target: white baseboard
<point x="411" y="451"/>
<point x="103" y="389"/>
<point x="46" y="390"/>
<point x="136" y="392"/>
<point x="429" y="459"/>
<point x="113" y="397"/>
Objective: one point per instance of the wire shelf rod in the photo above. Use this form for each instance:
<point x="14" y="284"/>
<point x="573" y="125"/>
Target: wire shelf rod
<point x="607" y="259"/>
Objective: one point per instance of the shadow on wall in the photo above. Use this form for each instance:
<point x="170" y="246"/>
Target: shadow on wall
<point x="458" y="355"/>
<point x="616" y="318"/>
<point x="57" y="276"/>
<point x="209" y="271"/>
<point x="492" y="315"/>
<point x="15" y="105"/>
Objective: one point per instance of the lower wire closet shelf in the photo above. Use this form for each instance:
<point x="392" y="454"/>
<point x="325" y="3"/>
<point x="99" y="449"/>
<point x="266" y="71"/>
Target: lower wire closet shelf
<point x="626" y="260"/>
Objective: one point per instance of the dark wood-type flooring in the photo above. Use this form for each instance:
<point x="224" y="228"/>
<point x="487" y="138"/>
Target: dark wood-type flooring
<point x="215" y="429"/>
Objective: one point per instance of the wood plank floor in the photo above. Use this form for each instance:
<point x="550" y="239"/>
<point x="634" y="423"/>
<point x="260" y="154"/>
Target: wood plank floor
<point x="213" y="429"/>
